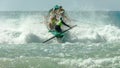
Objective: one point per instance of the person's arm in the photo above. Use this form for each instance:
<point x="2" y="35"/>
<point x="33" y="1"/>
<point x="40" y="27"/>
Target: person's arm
<point x="65" y="24"/>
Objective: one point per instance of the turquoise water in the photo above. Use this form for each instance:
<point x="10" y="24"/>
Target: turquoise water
<point x="94" y="43"/>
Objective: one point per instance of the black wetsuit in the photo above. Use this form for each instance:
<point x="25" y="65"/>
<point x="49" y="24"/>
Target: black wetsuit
<point x="58" y="27"/>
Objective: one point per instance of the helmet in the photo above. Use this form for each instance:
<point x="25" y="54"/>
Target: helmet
<point x="56" y="7"/>
<point x="60" y="6"/>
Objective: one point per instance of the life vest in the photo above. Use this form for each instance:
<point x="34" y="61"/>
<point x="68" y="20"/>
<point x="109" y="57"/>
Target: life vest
<point x="59" y="23"/>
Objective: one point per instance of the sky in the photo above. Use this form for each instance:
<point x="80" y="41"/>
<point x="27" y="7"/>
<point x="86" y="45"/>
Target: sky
<point x="71" y="5"/>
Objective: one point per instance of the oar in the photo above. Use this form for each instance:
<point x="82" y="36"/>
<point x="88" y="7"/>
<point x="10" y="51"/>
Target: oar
<point x="62" y="32"/>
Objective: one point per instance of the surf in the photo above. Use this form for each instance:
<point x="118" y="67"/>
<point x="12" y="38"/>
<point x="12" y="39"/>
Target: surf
<point x="93" y="43"/>
<point x="28" y="27"/>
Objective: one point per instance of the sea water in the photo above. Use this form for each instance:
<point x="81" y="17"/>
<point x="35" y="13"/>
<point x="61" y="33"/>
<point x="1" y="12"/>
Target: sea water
<point x="94" y="43"/>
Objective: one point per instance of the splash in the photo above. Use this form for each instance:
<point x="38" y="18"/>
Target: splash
<point x="28" y="27"/>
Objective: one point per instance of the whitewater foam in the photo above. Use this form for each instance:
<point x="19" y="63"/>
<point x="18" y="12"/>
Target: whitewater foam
<point x="31" y="29"/>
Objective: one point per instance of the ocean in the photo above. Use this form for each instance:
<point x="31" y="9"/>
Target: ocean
<point x="94" y="43"/>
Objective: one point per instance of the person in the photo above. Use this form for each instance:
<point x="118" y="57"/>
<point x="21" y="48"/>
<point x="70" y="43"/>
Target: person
<point x="51" y="17"/>
<point x="55" y="14"/>
<point x="59" y="25"/>
<point x="52" y="22"/>
<point x="53" y="10"/>
<point x="61" y="13"/>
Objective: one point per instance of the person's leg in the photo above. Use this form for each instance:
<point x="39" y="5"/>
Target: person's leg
<point x="58" y="28"/>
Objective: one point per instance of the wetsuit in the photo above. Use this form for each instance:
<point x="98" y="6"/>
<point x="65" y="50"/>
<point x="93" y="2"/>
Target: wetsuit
<point x="59" y="24"/>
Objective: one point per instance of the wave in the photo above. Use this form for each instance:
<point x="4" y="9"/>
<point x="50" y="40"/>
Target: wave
<point x="29" y="28"/>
